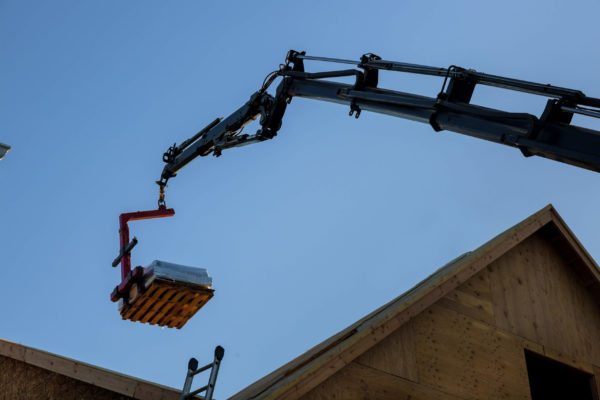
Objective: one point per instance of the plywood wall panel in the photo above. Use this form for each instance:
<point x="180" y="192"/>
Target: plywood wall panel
<point x="468" y="358"/>
<point x="471" y="343"/>
<point x="355" y="381"/>
<point x="539" y="296"/>
<point x="394" y="355"/>
<point x="473" y="298"/>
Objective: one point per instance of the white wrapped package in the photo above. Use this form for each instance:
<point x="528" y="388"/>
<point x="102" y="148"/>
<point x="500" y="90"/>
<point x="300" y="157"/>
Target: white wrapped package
<point x="168" y="295"/>
<point x="179" y="273"/>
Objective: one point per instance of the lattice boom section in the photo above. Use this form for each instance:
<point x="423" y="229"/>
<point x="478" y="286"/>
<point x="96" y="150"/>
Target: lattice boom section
<point x="165" y="303"/>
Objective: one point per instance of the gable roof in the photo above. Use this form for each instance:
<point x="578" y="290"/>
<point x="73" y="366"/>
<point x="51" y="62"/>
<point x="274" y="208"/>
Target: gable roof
<point x="100" y="377"/>
<point x="311" y="368"/>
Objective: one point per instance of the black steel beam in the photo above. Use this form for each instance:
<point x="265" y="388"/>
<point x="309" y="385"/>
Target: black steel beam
<point x="468" y="74"/>
<point x="204" y="144"/>
<point x="557" y="141"/>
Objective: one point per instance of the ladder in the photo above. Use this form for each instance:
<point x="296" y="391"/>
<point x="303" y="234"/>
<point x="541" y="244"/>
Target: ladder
<point x="193" y="370"/>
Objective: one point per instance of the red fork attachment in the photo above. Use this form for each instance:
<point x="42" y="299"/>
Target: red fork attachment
<point x="129" y="277"/>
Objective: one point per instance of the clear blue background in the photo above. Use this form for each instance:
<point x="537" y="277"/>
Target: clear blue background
<point x="303" y="234"/>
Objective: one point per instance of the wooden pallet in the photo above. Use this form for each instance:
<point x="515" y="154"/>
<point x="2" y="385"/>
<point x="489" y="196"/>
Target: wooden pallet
<point x="164" y="303"/>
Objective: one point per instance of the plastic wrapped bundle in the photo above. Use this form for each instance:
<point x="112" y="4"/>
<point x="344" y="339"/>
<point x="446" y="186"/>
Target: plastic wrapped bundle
<point x="167" y="295"/>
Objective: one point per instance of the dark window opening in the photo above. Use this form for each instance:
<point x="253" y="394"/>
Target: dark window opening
<point x="549" y="379"/>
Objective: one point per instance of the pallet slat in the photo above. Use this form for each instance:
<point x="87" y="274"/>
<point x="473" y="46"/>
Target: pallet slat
<point x="165" y="303"/>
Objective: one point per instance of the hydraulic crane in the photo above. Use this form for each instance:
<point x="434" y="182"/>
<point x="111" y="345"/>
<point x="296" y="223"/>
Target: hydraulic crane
<point x="550" y="135"/>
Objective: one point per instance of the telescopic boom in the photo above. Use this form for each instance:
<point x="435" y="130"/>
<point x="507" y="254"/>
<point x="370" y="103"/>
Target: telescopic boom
<point x="550" y="135"/>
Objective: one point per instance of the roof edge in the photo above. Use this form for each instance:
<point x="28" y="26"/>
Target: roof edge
<point x="305" y="372"/>
<point x="575" y="243"/>
<point x="104" y="378"/>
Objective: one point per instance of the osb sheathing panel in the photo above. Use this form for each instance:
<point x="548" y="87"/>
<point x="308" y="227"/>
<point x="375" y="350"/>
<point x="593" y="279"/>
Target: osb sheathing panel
<point x="19" y="380"/>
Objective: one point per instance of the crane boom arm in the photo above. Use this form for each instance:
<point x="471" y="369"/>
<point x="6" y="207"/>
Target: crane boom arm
<point x="551" y="135"/>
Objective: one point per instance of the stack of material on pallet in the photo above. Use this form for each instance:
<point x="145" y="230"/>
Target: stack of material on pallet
<point x="169" y="295"/>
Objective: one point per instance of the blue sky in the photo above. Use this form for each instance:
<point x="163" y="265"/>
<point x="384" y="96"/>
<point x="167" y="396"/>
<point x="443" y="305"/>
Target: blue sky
<point x="303" y="234"/>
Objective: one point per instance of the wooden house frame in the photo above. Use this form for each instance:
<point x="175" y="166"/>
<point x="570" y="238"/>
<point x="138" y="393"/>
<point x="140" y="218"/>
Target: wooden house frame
<point x="468" y="331"/>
